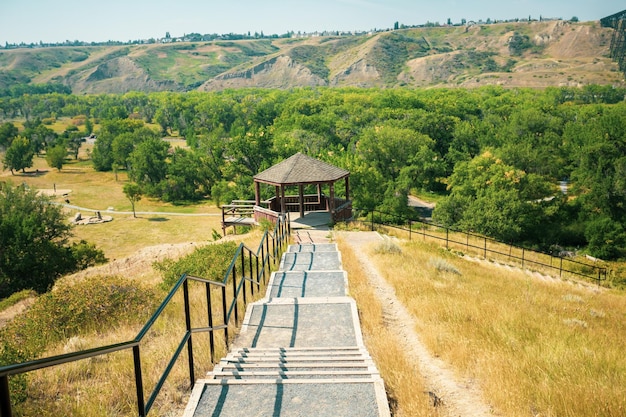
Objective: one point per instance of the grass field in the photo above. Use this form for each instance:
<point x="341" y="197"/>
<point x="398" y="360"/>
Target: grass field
<point x="535" y="348"/>
<point x="101" y="191"/>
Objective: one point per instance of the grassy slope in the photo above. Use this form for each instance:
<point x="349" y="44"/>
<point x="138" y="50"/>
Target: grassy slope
<point x="534" y="347"/>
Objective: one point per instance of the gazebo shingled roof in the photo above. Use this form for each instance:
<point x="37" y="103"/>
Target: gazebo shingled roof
<point x="301" y="169"/>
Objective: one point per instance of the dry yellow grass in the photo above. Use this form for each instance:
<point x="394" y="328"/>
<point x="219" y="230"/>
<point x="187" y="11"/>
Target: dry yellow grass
<point x="535" y="348"/>
<point x="404" y="385"/>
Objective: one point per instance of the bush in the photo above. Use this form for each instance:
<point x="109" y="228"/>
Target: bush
<point x="16" y="298"/>
<point x="71" y="309"/>
<point x="388" y="246"/>
<point x="442" y="265"/>
<point x="33" y="238"/>
<point x="210" y="262"/>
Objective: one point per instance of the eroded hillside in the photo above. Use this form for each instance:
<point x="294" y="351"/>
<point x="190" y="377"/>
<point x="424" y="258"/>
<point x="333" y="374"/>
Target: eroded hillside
<point x="535" y="54"/>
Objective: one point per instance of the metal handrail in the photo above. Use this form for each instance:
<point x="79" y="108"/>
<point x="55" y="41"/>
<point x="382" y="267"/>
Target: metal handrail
<point x="263" y="256"/>
<point x="601" y="274"/>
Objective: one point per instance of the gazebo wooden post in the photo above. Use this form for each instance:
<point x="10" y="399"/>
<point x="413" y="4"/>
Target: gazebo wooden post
<point x="301" y="199"/>
<point x="257" y="193"/>
<point x="319" y="194"/>
<point x="283" y="205"/>
<point x="277" y="202"/>
<point x="347" y="188"/>
<point x="331" y="201"/>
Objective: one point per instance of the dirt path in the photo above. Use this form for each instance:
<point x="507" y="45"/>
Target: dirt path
<point x="460" y="397"/>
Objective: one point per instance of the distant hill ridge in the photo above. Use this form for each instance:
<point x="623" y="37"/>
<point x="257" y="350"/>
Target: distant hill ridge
<point x="522" y="54"/>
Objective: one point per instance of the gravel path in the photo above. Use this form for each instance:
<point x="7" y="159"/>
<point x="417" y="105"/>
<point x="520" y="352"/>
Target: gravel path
<point x="460" y="397"/>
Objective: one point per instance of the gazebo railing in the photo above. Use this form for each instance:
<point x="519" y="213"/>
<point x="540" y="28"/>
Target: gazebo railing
<point x="312" y="202"/>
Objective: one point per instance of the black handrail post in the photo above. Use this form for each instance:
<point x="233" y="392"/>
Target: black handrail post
<point x="192" y="377"/>
<point x="254" y="276"/>
<point x="5" y="397"/>
<point x="274" y="249"/>
<point x="210" y="317"/>
<point x="243" y="274"/>
<point x="141" y="405"/>
<point x="263" y="259"/>
<point x="224" y="316"/>
<point x="235" y="303"/>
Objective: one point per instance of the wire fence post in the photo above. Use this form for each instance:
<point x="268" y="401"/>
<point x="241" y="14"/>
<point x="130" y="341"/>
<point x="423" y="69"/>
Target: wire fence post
<point x="523" y="252"/>
<point x="372" y="220"/>
<point x="561" y="267"/>
<point x="485" y="252"/>
<point x="447" y="230"/>
<point x="410" y="228"/>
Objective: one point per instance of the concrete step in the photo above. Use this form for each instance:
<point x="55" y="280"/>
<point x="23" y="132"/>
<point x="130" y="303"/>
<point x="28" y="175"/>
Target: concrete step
<point x="311" y="261"/>
<point x="294" y="353"/>
<point x="307" y="284"/>
<point x="300" y="358"/>
<point x="301" y="322"/>
<point x="337" y="397"/>
<point x="280" y="374"/>
<point x="313" y="247"/>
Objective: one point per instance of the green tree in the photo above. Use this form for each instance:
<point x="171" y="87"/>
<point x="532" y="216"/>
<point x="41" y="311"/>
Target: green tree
<point x="19" y="155"/>
<point x="148" y="164"/>
<point x="55" y="156"/>
<point x="34" y="249"/>
<point x="490" y="197"/>
<point x="122" y="146"/>
<point x="187" y="177"/>
<point x="133" y="193"/>
<point x="102" y="154"/>
<point x="7" y="132"/>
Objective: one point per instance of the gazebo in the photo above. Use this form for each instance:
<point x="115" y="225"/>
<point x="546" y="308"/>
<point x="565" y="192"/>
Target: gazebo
<point x="301" y="171"/>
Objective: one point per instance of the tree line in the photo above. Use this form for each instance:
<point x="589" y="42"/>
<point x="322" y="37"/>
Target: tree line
<point x="496" y="156"/>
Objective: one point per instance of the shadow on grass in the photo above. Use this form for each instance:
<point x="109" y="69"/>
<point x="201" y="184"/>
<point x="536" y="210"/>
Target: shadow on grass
<point x="158" y="219"/>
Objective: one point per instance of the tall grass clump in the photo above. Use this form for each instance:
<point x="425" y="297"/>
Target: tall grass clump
<point x="387" y="246"/>
<point x="442" y="265"/>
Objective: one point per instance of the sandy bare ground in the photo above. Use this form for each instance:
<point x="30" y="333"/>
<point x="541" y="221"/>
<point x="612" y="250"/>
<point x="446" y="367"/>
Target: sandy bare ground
<point x="460" y="397"/>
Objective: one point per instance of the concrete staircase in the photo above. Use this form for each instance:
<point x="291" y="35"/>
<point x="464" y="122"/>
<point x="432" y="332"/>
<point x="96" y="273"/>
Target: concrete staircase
<point x="300" y="351"/>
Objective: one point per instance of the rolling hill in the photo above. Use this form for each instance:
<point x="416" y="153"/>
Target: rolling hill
<point x="524" y="54"/>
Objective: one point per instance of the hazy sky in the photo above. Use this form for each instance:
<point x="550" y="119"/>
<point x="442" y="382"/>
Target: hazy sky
<point x="122" y="20"/>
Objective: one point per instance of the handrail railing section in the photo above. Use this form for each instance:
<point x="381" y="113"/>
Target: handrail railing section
<point x="248" y="269"/>
<point x="558" y="262"/>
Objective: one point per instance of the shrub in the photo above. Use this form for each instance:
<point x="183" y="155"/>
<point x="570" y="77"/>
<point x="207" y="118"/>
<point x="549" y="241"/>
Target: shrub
<point x="387" y="246"/>
<point x="209" y="262"/>
<point x="442" y="265"/>
<point x="83" y="307"/>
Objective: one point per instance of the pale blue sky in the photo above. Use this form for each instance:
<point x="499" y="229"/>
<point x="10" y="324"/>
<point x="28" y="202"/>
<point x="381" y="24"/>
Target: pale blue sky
<point x="122" y="20"/>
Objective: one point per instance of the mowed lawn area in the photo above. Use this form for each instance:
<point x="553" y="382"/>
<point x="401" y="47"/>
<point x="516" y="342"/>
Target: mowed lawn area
<point x="82" y="186"/>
